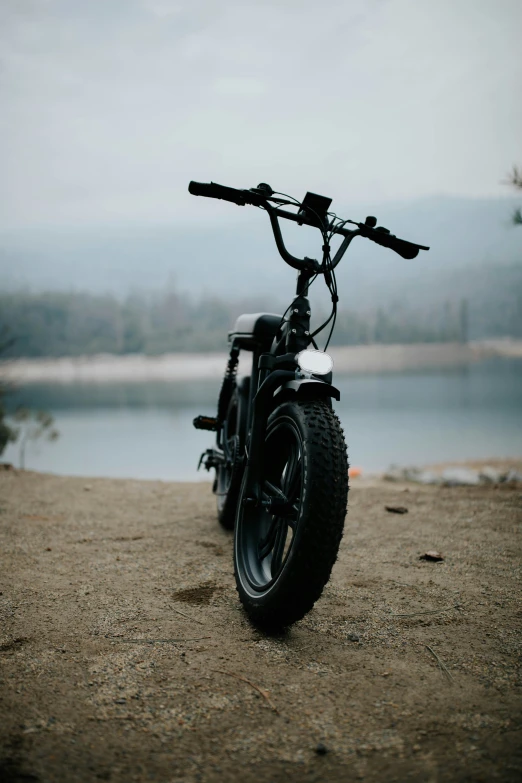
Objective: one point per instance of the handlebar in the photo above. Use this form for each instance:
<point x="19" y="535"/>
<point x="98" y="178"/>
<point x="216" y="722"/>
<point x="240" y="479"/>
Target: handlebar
<point x="260" y="196"/>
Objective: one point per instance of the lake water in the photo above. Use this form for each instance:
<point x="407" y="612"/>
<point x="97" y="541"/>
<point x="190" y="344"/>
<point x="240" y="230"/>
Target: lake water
<point x="145" y="430"/>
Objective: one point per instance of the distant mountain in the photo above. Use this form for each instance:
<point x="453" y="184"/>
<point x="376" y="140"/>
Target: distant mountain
<point x="466" y="237"/>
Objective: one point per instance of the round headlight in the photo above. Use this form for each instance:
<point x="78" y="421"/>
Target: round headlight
<point x="316" y="362"/>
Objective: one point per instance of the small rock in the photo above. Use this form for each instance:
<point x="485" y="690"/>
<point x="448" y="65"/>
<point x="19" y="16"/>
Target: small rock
<point x="120" y="701"/>
<point x="353" y="637"/>
<point x="321" y="749"/>
<point x="426" y="477"/>
<point x="489" y="475"/>
<point x="394" y="473"/>
<point x="417" y="475"/>
<point x="396" y="509"/>
<point x="460" y="477"/>
<point x="48" y="549"/>
<point x="435" y="557"/>
<point x="512" y="476"/>
<point x="87" y="488"/>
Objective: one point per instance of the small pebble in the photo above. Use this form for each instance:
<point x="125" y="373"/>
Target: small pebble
<point x="321" y="749"/>
<point x="354" y="637"/>
<point x="120" y="701"/>
<point x="435" y="557"/>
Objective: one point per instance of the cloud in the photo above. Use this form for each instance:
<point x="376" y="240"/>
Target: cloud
<point x="239" y="85"/>
<point x="110" y="108"/>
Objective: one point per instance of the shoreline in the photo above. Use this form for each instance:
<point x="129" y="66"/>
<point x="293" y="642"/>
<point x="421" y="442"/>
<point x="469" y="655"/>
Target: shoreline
<point x="358" y="477"/>
<point x="177" y="367"/>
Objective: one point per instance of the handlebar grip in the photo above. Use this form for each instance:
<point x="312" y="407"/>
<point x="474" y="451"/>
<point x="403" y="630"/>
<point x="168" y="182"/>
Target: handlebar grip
<point x="213" y="190"/>
<point x="404" y="249"/>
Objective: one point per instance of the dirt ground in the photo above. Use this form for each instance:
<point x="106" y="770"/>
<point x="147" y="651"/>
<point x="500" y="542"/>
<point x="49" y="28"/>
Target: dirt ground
<point x="125" y="655"/>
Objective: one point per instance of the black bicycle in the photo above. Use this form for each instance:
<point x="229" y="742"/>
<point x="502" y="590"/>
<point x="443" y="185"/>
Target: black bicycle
<point x="280" y="458"/>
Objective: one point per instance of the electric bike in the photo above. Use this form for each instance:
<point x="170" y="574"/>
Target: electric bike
<point x="280" y="459"/>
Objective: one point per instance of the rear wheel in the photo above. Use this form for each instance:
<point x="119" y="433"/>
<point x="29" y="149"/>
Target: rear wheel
<point x="284" y="550"/>
<point x="228" y="477"/>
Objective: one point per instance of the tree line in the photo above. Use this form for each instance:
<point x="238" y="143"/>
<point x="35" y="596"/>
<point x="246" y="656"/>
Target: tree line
<point x="76" y="324"/>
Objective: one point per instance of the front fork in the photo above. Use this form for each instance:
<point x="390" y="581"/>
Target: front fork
<point x="255" y="448"/>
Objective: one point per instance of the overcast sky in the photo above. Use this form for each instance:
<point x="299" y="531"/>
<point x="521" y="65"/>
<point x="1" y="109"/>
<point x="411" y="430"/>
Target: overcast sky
<point x="110" y="107"/>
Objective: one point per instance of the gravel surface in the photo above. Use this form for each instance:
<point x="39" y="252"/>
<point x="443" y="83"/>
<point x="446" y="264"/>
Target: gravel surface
<point x="125" y="655"/>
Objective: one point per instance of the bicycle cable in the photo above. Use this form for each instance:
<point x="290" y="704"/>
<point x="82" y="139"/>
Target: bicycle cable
<point x="327" y="266"/>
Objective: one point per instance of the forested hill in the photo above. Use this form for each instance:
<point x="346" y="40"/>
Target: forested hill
<point x="73" y="324"/>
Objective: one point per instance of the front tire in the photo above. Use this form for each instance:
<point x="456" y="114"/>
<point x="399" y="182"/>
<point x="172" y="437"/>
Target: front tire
<point x="283" y="561"/>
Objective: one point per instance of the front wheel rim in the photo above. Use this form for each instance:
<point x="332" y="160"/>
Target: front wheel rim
<point x="265" y="539"/>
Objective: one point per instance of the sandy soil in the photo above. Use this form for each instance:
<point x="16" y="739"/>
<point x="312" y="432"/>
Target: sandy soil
<point x="125" y="656"/>
<point x="137" y="368"/>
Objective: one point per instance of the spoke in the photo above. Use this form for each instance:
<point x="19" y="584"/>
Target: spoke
<point x="291" y="485"/>
<point x="273" y="491"/>
<point x="294" y="483"/>
<point x="293" y="474"/>
<point x="289" y="470"/>
<point x="267" y="543"/>
<point x="279" y="548"/>
<point x="291" y="521"/>
<point x="287" y="493"/>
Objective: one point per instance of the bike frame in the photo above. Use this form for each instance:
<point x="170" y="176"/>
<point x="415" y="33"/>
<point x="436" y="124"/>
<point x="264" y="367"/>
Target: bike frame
<point x="274" y="378"/>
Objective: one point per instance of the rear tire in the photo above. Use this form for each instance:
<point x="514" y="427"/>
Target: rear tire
<point x="282" y="563"/>
<point x="228" y="477"/>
